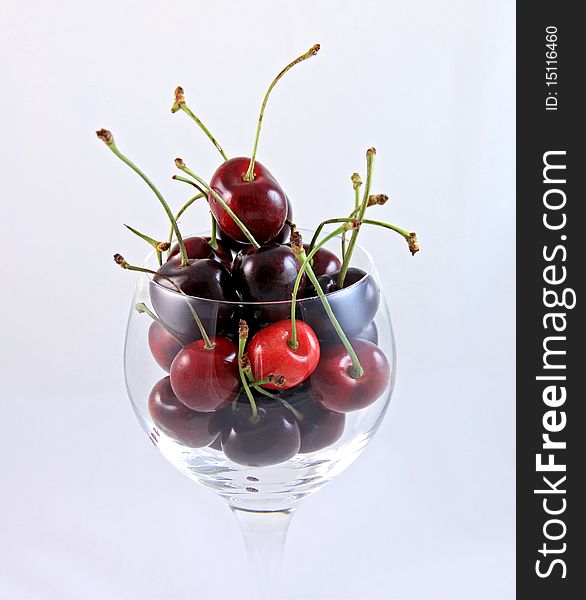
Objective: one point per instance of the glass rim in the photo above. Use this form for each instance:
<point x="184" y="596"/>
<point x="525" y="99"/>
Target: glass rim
<point x="147" y="263"/>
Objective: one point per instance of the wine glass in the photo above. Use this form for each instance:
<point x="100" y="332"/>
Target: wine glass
<point x="262" y="470"/>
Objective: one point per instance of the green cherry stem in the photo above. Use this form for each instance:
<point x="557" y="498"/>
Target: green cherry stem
<point x="121" y="261"/>
<point x="108" y="139"/>
<point x="181" y="105"/>
<point x="244" y="368"/>
<point x="370" y="154"/>
<point x="183" y="167"/>
<point x="356" y="370"/>
<point x="410" y="237"/>
<point x="214" y="237"/>
<point x="356" y="183"/>
<point x="159" y="247"/>
<point x="249" y="175"/>
<point x="141" y="307"/>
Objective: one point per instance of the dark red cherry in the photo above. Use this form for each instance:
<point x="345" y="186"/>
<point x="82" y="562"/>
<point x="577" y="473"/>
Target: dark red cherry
<point x="319" y="427"/>
<point x="267" y="274"/>
<point x="333" y="385"/>
<point x="260" y="204"/>
<point x="270" y="353"/>
<point x="164" y="347"/>
<point x="206" y="379"/>
<point x="324" y="261"/>
<point x="285" y="233"/>
<point x="355" y="306"/>
<point x="270" y="439"/>
<point x="173" y="418"/>
<point x="204" y="279"/>
<point x="199" y="247"/>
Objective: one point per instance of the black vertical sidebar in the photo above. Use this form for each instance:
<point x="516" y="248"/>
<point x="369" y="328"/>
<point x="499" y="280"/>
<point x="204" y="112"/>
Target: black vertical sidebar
<point x="551" y="345"/>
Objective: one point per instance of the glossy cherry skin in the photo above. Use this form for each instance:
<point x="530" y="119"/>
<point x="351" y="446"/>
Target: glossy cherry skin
<point x="205" y="379"/>
<point x="201" y="278"/>
<point x="269" y="352"/>
<point x="272" y="439"/>
<point x="260" y="204"/>
<point x="173" y="418"/>
<point x="199" y="247"/>
<point x="267" y="274"/>
<point x="324" y="261"/>
<point x="336" y="390"/>
<point x="355" y="306"/>
<point x="319" y="427"/>
<point x="164" y="347"/>
<point x="283" y="236"/>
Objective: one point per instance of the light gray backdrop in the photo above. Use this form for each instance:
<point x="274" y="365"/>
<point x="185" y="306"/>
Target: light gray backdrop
<point x="88" y="509"/>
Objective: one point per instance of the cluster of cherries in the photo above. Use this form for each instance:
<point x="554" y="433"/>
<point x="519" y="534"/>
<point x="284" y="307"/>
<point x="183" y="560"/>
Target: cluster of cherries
<point x="267" y="341"/>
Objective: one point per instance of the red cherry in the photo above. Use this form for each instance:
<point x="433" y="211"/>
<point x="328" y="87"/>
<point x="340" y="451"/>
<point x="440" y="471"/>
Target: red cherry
<point x="199" y="247"/>
<point x="260" y="204"/>
<point x="173" y="418"/>
<point x="270" y="353"/>
<point x="164" y="347"/>
<point x="285" y="233"/>
<point x="206" y="379"/>
<point x="334" y="387"/>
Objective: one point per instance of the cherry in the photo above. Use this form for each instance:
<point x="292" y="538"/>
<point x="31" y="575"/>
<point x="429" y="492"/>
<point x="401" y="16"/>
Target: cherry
<point x="270" y="352"/>
<point x="355" y="306"/>
<point x="249" y="189"/>
<point x="261" y="204"/>
<point x="319" y="427"/>
<point x="270" y="438"/>
<point x="204" y="279"/>
<point x="334" y="386"/>
<point x="283" y="236"/>
<point x="164" y="347"/>
<point x="199" y="247"/>
<point x="324" y="261"/>
<point x="173" y="418"/>
<point x="204" y="378"/>
<point x="267" y="274"/>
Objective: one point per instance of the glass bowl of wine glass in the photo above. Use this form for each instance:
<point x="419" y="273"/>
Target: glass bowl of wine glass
<point x="219" y="389"/>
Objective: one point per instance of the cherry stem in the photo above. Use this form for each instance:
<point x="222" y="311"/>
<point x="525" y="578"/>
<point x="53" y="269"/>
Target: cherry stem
<point x="182" y="166"/>
<point x="370" y="154"/>
<point x="249" y="175"/>
<point x="159" y="247"/>
<point x="298" y="415"/>
<point x="141" y="307"/>
<point x="356" y="370"/>
<point x="242" y="337"/>
<point x="411" y="238"/>
<point x="181" y="105"/>
<point x="108" y="139"/>
<point x="120" y="260"/>
<point x="214" y="237"/>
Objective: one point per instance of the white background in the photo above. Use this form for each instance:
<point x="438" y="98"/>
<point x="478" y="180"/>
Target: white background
<point x="88" y="509"/>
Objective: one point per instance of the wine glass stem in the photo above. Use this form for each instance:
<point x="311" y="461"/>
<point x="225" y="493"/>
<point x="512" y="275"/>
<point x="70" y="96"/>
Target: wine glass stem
<point x="264" y="537"/>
